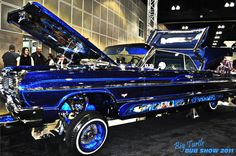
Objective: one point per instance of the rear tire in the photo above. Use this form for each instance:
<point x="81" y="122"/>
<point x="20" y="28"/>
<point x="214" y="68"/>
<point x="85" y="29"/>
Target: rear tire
<point x="212" y="105"/>
<point x="87" y="132"/>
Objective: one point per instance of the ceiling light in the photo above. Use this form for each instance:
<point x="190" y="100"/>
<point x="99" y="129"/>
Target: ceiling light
<point x="214" y="44"/>
<point x="173" y="7"/>
<point x="201" y="16"/>
<point x="226" y="5"/>
<point x="215" y="41"/>
<point x="221" y="26"/>
<point x="229" y="4"/>
<point x="218" y="32"/>
<point x="185" y="27"/>
<point x="177" y="7"/>
<point x="217" y="37"/>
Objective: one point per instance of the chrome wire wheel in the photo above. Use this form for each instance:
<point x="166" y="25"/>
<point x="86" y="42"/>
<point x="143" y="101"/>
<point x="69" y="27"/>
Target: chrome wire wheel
<point x="87" y="132"/>
<point x="91" y="136"/>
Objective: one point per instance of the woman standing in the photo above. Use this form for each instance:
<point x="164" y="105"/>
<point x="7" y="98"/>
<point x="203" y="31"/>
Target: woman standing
<point x="25" y="59"/>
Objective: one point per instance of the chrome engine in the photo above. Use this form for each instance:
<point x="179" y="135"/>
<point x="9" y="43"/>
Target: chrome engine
<point x="9" y="89"/>
<point x="10" y="80"/>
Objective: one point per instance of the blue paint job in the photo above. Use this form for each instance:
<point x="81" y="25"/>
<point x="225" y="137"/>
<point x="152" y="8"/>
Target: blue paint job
<point x="6" y="119"/>
<point x="136" y="108"/>
<point x="206" y="98"/>
<point x="31" y="68"/>
<point x="130" y="88"/>
<point x="145" y="107"/>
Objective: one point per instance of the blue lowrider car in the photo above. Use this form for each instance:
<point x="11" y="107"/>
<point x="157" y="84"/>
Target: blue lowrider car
<point x="92" y="89"/>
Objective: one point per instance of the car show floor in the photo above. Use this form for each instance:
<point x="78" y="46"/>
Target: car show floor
<point x="162" y="136"/>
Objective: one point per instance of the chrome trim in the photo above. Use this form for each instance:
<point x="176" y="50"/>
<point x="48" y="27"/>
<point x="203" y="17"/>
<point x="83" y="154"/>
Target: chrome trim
<point x="31" y="121"/>
<point x="117" y="85"/>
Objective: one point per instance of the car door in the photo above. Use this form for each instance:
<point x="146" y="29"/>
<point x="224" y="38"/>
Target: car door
<point x="169" y="79"/>
<point x="125" y="85"/>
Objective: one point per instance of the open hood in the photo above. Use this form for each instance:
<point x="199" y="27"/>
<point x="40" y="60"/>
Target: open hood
<point x="172" y="39"/>
<point x="52" y="31"/>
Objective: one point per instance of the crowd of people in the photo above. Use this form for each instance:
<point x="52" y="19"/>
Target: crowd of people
<point x="225" y="67"/>
<point x="25" y="58"/>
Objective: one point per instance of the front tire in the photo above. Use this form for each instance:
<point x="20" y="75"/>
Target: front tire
<point x="87" y="132"/>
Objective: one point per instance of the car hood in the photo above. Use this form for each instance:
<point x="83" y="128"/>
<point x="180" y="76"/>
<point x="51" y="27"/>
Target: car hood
<point x="181" y="39"/>
<point x="54" y="32"/>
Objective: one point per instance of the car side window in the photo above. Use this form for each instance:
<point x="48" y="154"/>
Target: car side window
<point x="189" y="64"/>
<point x="168" y="61"/>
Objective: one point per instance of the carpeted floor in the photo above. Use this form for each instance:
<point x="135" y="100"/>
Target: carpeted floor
<point x="153" y="137"/>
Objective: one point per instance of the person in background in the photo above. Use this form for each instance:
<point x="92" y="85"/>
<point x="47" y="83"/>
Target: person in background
<point x="225" y="67"/>
<point x="25" y="59"/>
<point x="9" y="58"/>
<point x="61" y="61"/>
<point x="50" y="61"/>
<point x="38" y="57"/>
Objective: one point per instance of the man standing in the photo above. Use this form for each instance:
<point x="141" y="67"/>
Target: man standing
<point x="38" y="57"/>
<point x="9" y="58"/>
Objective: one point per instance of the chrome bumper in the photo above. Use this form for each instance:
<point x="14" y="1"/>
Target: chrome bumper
<point x="29" y="115"/>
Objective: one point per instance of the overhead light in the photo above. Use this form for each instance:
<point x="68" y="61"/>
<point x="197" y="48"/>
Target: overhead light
<point x="201" y="16"/>
<point x="214" y="44"/>
<point x="177" y="7"/>
<point x="185" y="27"/>
<point x="221" y="26"/>
<point x="215" y="41"/>
<point x="218" y="32"/>
<point x="231" y="4"/>
<point x="217" y="37"/>
<point x="173" y="7"/>
<point x="226" y="5"/>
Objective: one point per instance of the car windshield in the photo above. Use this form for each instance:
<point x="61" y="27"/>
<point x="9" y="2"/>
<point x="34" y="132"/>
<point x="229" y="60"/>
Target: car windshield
<point x="129" y="54"/>
<point x="167" y="60"/>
